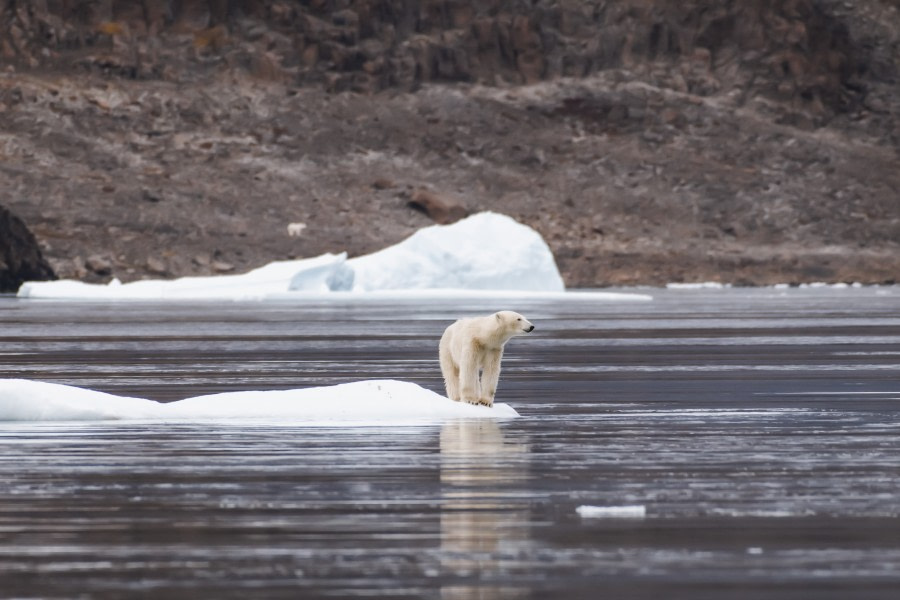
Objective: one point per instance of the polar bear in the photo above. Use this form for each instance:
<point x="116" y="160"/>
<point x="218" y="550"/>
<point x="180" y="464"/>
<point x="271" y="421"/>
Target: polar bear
<point x="470" y="353"/>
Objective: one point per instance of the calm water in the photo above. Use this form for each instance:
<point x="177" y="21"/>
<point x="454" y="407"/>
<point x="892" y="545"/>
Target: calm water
<point x="759" y="428"/>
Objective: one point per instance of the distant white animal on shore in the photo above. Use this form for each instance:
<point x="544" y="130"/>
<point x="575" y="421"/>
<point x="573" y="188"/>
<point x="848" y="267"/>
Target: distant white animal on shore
<point x="470" y="353"/>
<point x="295" y="229"/>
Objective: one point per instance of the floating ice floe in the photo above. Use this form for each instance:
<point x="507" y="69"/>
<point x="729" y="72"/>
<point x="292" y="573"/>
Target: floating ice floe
<point x="701" y="285"/>
<point x="715" y="285"/>
<point x="277" y="277"/>
<point x="612" y="512"/>
<point x="485" y="252"/>
<point x="370" y="402"/>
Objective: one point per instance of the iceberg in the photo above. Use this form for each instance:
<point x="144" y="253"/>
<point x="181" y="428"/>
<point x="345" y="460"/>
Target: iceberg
<point x="360" y="403"/>
<point x="484" y="252"/>
<point x="487" y="251"/>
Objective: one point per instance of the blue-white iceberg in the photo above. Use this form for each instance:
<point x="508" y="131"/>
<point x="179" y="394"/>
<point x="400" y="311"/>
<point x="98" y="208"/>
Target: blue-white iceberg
<point x="485" y="254"/>
<point x="486" y="251"/>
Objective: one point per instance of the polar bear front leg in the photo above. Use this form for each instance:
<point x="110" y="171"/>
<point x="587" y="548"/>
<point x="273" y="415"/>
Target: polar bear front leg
<point x="468" y="378"/>
<point x="490" y="377"/>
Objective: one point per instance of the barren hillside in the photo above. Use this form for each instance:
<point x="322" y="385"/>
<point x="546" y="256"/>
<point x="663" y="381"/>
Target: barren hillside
<point x="648" y="141"/>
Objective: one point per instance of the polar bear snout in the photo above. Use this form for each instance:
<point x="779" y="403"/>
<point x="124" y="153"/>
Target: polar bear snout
<point x="525" y="325"/>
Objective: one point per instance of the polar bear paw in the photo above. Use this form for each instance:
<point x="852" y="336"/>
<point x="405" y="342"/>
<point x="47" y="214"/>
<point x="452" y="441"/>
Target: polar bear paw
<point x="478" y="401"/>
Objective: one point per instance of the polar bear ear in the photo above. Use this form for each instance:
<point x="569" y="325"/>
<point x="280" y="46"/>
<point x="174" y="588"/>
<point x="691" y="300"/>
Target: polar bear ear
<point x="499" y="316"/>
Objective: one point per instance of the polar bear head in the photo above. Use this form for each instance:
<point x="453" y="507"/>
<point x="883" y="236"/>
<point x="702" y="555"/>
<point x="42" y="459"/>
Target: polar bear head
<point x="512" y="324"/>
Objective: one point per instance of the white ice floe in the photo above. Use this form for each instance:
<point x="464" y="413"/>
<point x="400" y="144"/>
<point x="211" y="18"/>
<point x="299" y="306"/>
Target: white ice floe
<point x="767" y="513"/>
<point x="702" y="285"/>
<point x="612" y="512"/>
<point x="26" y="400"/>
<point x="715" y="285"/>
<point x="311" y="274"/>
<point x="370" y="402"/>
<point x="834" y="286"/>
<point x="484" y="252"/>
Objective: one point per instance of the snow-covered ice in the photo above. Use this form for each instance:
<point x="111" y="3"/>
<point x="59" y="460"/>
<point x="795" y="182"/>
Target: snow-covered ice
<point x="715" y="285"/>
<point x="702" y="285"/>
<point x="370" y="402"/>
<point x="277" y="277"/>
<point x="26" y="400"/>
<point x="484" y="252"/>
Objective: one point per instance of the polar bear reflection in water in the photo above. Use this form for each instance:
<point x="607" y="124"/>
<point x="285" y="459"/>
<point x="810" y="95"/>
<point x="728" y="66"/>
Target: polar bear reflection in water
<point x="485" y="524"/>
<point x="470" y="353"/>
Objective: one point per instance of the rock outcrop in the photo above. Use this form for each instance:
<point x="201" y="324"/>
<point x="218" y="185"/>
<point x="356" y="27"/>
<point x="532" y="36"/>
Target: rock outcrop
<point x="20" y="257"/>
<point x="442" y="209"/>
<point x="801" y="51"/>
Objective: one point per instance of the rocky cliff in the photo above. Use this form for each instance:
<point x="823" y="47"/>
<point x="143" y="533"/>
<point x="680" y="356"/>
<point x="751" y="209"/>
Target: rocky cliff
<point x="648" y="141"/>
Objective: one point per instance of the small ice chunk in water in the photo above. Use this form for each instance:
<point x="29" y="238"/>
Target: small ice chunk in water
<point x="612" y="512"/>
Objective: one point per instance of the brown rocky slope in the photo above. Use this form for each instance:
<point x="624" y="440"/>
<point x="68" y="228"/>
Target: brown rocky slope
<point x="653" y="141"/>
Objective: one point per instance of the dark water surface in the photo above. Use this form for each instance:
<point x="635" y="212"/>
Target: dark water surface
<point x="759" y="428"/>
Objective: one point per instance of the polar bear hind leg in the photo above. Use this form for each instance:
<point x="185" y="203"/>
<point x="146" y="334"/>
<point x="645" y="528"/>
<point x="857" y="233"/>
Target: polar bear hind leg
<point x="450" y="371"/>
